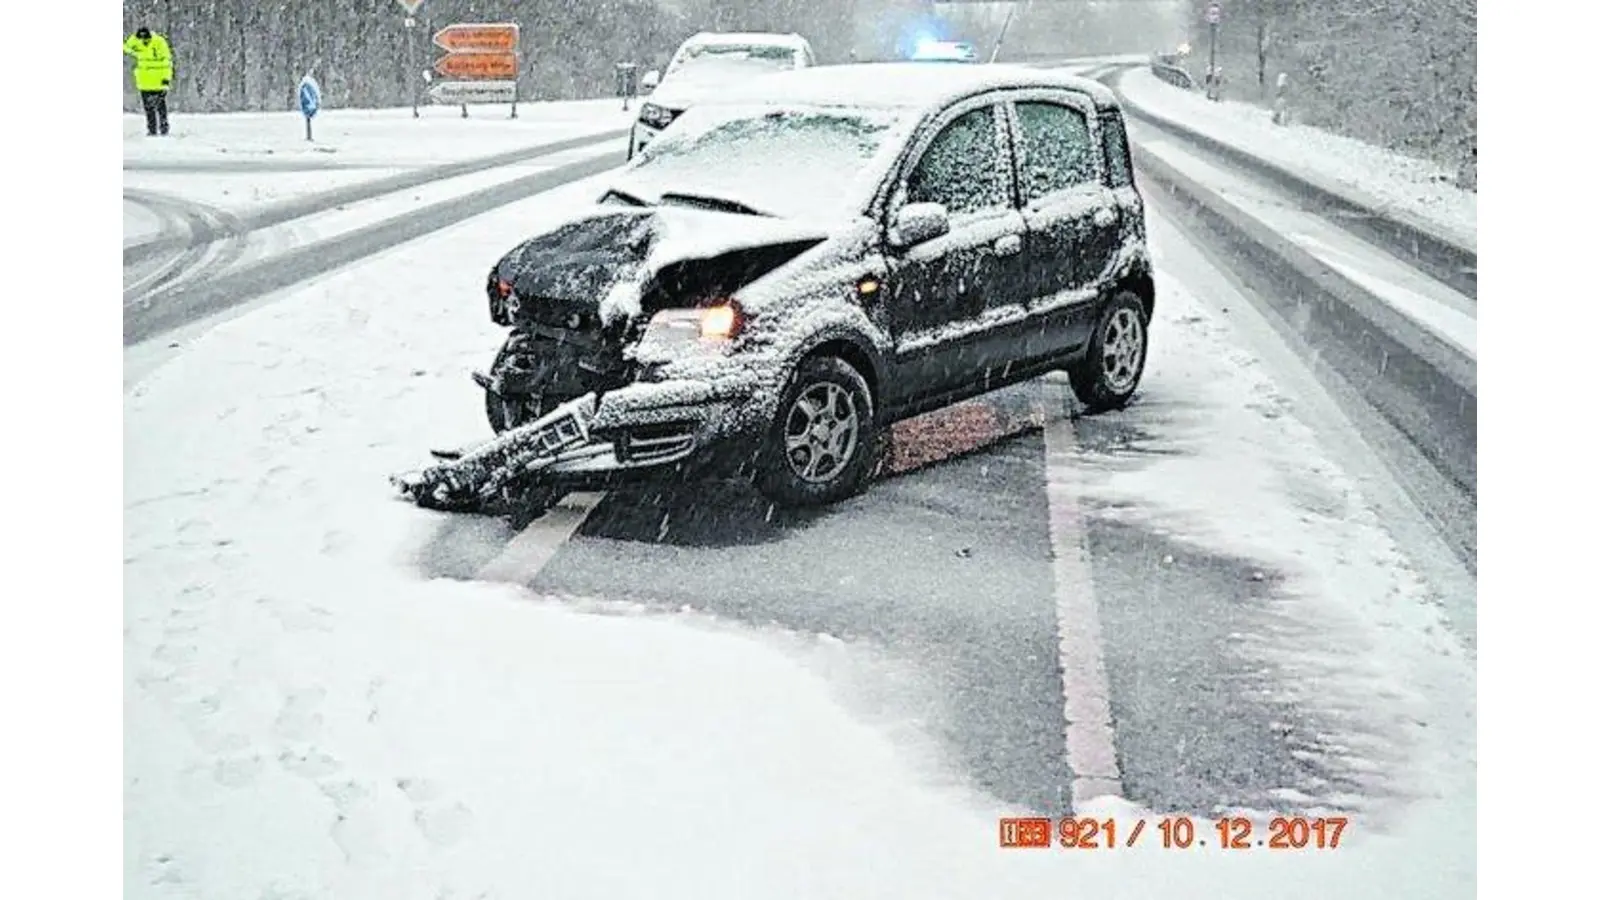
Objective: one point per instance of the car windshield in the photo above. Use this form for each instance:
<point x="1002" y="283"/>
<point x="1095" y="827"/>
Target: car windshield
<point x="709" y="59"/>
<point x="786" y="161"/>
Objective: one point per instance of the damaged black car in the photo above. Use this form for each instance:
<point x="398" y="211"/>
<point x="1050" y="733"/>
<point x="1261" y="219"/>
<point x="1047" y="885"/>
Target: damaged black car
<point x="787" y="271"/>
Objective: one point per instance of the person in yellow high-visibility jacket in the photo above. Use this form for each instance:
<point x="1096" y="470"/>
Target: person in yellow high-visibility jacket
<point x="152" y="75"/>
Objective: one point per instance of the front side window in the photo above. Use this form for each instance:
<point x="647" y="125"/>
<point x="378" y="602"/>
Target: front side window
<point x="1058" y="151"/>
<point x="962" y="168"/>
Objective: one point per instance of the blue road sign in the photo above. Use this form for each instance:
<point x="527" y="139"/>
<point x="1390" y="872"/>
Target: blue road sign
<point x="310" y="96"/>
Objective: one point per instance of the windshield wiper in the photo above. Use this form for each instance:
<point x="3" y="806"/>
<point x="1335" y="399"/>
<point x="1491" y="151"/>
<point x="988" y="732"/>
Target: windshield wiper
<point x="717" y="203"/>
<point x="623" y="196"/>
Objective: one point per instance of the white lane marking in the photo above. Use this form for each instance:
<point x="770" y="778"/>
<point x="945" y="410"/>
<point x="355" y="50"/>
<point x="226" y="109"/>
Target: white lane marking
<point x="527" y="553"/>
<point x="1090" y="733"/>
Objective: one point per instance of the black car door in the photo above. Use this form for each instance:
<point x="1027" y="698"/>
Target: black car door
<point x="939" y="291"/>
<point x="1073" y="219"/>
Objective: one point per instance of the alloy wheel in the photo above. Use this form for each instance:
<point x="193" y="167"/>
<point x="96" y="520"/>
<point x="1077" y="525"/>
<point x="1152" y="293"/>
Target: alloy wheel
<point x="821" y="432"/>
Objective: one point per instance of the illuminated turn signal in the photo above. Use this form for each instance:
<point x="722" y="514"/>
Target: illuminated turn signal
<point x="719" y="323"/>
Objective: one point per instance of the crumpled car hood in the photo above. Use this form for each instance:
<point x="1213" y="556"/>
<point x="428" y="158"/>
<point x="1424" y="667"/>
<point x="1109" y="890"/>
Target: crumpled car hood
<point x="605" y="260"/>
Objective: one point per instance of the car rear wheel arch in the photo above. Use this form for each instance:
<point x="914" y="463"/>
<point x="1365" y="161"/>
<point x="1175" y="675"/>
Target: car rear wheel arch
<point x="1142" y="286"/>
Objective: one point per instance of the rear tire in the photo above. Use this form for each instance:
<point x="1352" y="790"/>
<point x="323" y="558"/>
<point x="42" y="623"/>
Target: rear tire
<point x="819" y="449"/>
<point x="1109" y="373"/>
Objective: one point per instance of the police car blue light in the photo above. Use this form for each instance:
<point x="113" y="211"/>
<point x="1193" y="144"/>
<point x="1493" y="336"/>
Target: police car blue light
<point x="945" y="51"/>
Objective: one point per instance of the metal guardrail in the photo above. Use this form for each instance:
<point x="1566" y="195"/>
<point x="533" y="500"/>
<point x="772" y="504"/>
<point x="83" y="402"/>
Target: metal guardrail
<point x="1438" y="256"/>
<point x="1176" y="76"/>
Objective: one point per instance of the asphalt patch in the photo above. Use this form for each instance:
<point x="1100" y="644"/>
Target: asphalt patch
<point x="1197" y="727"/>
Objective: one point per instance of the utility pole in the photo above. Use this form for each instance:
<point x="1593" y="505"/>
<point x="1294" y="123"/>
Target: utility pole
<point x="1005" y="26"/>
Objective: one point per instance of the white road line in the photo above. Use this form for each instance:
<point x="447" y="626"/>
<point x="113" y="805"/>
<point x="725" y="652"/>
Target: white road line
<point x="1090" y="734"/>
<point x="527" y="553"/>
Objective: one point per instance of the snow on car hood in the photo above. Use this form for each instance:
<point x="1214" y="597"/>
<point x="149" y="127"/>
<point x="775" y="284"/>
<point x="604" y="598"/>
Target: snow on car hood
<point x="681" y="94"/>
<point x="612" y="254"/>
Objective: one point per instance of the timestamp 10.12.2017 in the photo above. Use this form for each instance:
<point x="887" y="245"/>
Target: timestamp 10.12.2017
<point x="1176" y="833"/>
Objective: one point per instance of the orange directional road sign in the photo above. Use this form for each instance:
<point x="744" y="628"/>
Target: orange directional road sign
<point x="477" y="65"/>
<point x="494" y="38"/>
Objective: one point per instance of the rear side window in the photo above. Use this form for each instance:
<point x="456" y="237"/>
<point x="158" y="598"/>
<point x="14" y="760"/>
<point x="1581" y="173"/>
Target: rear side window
<point x="1057" y="149"/>
<point x="1119" y="166"/>
<point x="962" y="168"/>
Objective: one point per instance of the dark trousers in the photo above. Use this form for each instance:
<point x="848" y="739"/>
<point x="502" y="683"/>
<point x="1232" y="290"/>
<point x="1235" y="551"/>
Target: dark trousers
<point x="155" y="111"/>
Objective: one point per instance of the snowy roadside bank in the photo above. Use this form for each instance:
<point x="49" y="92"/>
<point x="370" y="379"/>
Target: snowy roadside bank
<point x="388" y="138"/>
<point x="1382" y="179"/>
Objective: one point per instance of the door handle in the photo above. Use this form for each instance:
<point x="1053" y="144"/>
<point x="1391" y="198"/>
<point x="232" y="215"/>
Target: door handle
<point x="1008" y="245"/>
<point x="1105" y="217"/>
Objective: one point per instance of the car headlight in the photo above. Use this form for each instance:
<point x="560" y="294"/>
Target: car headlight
<point x="677" y="333"/>
<point x="655" y="115"/>
<point x="716" y="323"/>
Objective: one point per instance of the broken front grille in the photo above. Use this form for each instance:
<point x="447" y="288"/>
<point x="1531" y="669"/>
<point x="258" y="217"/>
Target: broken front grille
<point x="655" y="443"/>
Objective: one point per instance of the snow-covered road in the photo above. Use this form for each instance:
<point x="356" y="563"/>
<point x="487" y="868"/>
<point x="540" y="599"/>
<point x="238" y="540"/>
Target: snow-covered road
<point x="329" y="693"/>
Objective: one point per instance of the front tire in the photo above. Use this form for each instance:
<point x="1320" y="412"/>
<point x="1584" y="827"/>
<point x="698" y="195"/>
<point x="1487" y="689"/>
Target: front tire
<point x="1109" y="373"/>
<point x="505" y="413"/>
<point x="819" y="448"/>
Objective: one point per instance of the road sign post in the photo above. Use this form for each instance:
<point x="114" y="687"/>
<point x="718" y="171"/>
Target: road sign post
<point x="482" y="61"/>
<point x="1213" y="18"/>
<point x="310" y="100"/>
<point x="411" y="7"/>
<point x="627" y="81"/>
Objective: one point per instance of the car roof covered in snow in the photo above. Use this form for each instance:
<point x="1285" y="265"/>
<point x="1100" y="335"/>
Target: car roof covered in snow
<point x="903" y="85"/>
<point x="745" y="39"/>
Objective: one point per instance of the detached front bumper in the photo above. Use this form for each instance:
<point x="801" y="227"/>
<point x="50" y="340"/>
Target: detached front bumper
<point x="681" y="429"/>
<point x="646" y="430"/>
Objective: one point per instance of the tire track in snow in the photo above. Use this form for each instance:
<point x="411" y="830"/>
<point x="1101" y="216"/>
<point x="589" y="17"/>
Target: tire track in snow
<point x="327" y="200"/>
<point x="196" y="236"/>
<point x="144" y="321"/>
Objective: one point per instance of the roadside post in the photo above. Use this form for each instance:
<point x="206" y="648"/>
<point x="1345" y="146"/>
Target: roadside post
<point x="310" y="100"/>
<point x="999" y="41"/>
<point x="1280" y="100"/>
<point x="411" y="7"/>
<point x="482" y="62"/>
<point x="1213" y="19"/>
<point x="627" y="83"/>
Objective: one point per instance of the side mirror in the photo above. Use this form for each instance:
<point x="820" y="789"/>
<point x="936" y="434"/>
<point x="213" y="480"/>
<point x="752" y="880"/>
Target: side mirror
<point x="649" y="81"/>
<point x="917" y="223"/>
